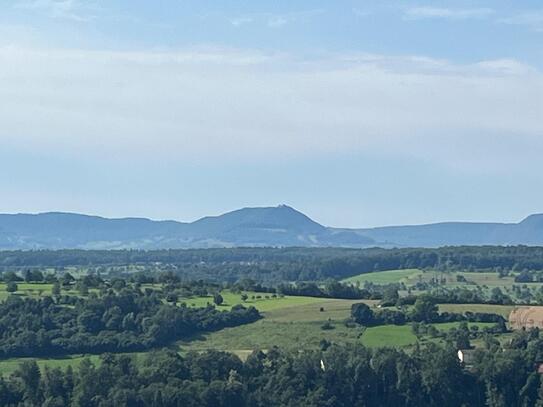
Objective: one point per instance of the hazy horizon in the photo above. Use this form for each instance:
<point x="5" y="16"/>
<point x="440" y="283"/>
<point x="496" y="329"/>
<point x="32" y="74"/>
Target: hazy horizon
<point x="358" y="114"/>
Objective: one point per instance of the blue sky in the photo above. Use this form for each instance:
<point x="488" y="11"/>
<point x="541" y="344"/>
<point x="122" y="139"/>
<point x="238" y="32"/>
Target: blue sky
<point x="358" y="113"/>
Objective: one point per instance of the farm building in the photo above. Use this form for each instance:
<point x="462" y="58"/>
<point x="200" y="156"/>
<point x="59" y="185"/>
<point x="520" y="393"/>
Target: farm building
<point x="526" y="318"/>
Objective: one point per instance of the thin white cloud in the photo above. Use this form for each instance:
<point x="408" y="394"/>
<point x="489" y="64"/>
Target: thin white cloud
<point x="65" y="9"/>
<point x="447" y="13"/>
<point x="532" y="19"/>
<point x="507" y="66"/>
<point x="239" y="21"/>
<point x="277" y="21"/>
<point x="212" y="104"/>
<point x="272" y="20"/>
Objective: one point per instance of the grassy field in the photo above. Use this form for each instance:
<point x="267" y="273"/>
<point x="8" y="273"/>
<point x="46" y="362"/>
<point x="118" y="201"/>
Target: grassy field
<point x="412" y="276"/>
<point x="262" y="304"/>
<point x="402" y="335"/>
<point x="386" y="277"/>
<point x="291" y="327"/>
<point x="389" y="335"/>
<point x="473" y="279"/>
<point x="10" y="365"/>
<point x="334" y="309"/>
<point x="266" y="334"/>
<point x="27" y="289"/>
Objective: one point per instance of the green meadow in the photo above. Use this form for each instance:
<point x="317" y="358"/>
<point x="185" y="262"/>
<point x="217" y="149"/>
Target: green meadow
<point x="412" y="276"/>
<point x="291" y="327"/>
<point x="386" y="277"/>
<point x="265" y="303"/>
<point x="9" y="366"/>
<point x="34" y="290"/>
<point x="402" y="335"/>
<point x="389" y="335"/>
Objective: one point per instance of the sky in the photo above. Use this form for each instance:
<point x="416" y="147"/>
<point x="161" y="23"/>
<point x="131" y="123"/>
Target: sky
<point x="357" y="113"/>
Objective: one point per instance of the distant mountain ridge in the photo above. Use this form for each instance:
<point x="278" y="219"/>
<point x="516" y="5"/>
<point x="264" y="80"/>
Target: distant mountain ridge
<point x="266" y="226"/>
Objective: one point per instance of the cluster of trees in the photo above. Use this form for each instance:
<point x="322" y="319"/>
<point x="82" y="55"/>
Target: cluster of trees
<point x="128" y="320"/>
<point x="516" y="294"/>
<point x="461" y="295"/>
<point x="529" y="276"/>
<point x="460" y="337"/>
<point x="424" y="310"/>
<point x="341" y="376"/>
<point x="29" y="276"/>
<point x="331" y="289"/>
<point x="283" y="264"/>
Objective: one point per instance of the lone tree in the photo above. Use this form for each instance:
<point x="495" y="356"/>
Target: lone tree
<point x="172" y="297"/>
<point x="33" y="275"/>
<point x="424" y="310"/>
<point x="11" y="287"/>
<point x="244" y="297"/>
<point x="217" y="299"/>
<point x="362" y="314"/>
<point x="67" y="279"/>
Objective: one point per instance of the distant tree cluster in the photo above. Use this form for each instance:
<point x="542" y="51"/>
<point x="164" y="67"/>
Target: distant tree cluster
<point x="424" y="310"/>
<point x="331" y="289"/>
<point x="128" y="320"/>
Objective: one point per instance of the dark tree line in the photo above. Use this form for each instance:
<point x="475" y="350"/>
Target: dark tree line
<point x="341" y="376"/>
<point x="331" y="289"/>
<point x="424" y="310"/>
<point x="285" y="264"/>
<point x="129" y="320"/>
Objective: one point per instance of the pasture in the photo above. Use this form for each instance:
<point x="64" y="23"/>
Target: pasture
<point x="261" y="301"/>
<point x="389" y="335"/>
<point x="386" y="277"/>
<point x="291" y="327"/>
<point x="402" y="335"/>
<point x="301" y="328"/>
<point x="448" y="279"/>
<point x="34" y="290"/>
<point x="9" y="366"/>
<point x="473" y="279"/>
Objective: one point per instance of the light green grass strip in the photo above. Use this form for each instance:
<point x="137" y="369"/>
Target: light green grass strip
<point x="385" y="277"/>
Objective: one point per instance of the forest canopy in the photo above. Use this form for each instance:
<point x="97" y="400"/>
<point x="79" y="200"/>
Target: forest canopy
<point x="284" y="264"/>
